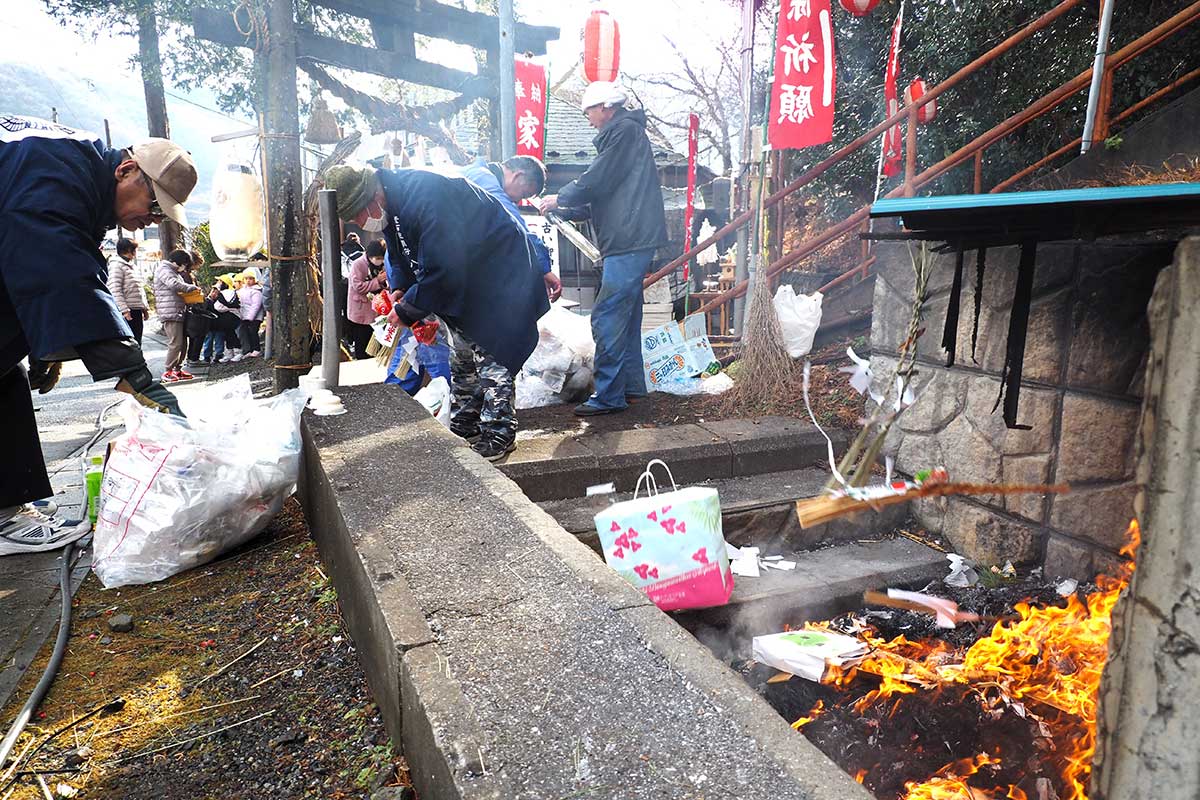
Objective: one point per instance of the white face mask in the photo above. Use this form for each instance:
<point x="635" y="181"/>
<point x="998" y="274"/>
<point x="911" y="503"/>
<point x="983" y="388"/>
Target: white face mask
<point x="373" y="224"/>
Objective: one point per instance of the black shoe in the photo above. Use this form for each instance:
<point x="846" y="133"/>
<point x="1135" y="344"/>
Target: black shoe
<point x="589" y="410"/>
<point x="470" y="433"/>
<point x="493" y="449"/>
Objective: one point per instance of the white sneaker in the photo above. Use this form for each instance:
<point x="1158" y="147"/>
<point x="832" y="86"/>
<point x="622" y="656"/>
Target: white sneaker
<point x="236" y="358"/>
<point x="47" y="507"/>
<point x="253" y="354"/>
<point x="29" y="531"/>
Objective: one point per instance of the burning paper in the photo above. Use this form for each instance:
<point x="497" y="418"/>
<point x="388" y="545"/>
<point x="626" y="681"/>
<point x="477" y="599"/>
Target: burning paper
<point x="961" y="574"/>
<point x="807" y="652"/>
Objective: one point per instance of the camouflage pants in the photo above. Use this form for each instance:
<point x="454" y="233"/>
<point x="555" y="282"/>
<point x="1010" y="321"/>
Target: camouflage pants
<point x="482" y="393"/>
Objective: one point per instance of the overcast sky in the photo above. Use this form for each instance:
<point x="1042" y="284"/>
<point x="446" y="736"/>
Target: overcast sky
<point x="88" y="80"/>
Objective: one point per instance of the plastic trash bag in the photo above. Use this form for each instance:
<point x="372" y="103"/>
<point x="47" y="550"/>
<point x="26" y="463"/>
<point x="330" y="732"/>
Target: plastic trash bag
<point x="560" y="368"/>
<point x="533" y="392"/>
<point x="179" y="492"/>
<point x="799" y="316"/>
<point x="435" y="396"/>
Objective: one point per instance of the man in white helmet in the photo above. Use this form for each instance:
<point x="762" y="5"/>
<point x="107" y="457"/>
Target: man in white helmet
<point x="622" y="194"/>
<point x="63" y="189"/>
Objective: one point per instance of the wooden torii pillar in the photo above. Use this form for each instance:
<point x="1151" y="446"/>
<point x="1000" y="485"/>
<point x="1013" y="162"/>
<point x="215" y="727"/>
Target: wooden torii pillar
<point x="277" y="41"/>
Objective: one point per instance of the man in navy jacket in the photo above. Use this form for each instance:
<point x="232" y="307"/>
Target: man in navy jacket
<point x="60" y="191"/>
<point x="454" y="251"/>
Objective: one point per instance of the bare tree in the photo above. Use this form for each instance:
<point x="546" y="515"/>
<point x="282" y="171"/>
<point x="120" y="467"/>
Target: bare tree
<point x="709" y="84"/>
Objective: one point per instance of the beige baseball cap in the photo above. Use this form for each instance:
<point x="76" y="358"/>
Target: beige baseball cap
<point x="171" y="172"/>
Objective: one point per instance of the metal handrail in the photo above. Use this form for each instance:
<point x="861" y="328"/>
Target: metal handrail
<point x="1124" y="115"/>
<point x="1037" y="109"/>
<point x="849" y="149"/>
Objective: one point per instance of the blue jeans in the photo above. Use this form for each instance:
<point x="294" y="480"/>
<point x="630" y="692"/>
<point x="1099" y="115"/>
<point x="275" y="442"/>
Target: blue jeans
<point x="214" y="339"/>
<point x="617" y="330"/>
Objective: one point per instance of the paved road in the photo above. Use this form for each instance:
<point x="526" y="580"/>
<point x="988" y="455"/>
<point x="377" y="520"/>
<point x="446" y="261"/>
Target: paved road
<point x="29" y="602"/>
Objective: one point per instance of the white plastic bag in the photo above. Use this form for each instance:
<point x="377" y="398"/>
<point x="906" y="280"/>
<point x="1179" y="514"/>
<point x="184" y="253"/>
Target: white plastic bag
<point x="560" y="367"/>
<point x="179" y="492"/>
<point x="435" y="396"/>
<point x="799" y="316"/>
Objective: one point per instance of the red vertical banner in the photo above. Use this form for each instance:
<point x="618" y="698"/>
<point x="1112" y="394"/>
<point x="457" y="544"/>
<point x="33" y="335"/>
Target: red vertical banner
<point x="893" y="144"/>
<point x="530" y="93"/>
<point x="689" y="210"/>
<point x="805" y="76"/>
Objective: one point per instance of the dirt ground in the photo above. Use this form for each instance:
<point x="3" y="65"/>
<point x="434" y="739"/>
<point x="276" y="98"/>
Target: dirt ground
<point x="238" y="681"/>
<point x="834" y="403"/>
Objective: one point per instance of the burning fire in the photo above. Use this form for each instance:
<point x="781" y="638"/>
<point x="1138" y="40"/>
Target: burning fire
<point x="1044" y="666"/>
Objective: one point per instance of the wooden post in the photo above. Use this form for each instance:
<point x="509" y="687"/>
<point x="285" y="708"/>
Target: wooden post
<point x="979" y="171"/>
<point x="910" y="155"/>
<point x="157" y="123"/>
<point x="285" y="234"/>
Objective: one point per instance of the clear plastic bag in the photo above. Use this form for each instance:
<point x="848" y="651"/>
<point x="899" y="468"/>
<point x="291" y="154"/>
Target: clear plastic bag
<point x="179" y="492"/>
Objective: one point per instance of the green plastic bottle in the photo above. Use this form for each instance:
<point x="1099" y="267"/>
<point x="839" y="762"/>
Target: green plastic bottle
<point x="93" y="474"/>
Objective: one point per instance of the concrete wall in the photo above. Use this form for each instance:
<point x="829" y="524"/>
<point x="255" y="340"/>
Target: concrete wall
<point x="1169" y="136"/>
<point x="1084" y="362"/>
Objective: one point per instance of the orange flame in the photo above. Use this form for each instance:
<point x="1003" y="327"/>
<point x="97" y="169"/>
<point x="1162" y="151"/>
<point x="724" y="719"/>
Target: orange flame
<point x="816" y="711"/>
<point x="1050" y="657"/>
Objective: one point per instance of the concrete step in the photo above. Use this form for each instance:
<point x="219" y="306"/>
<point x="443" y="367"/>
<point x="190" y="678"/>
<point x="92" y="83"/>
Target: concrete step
<point x="756" y="510"/>
<point x="562" y="466"/>
<point x="824" y="584"/>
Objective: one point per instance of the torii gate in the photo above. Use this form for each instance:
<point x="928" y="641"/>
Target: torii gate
<point x="271" y="31"/>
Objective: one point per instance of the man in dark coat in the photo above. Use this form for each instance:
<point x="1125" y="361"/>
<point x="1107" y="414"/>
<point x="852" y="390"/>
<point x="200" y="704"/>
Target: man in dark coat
<point x="621" y="192"/>
<point x="61" y="189"/>
<point x="454" y="252"/>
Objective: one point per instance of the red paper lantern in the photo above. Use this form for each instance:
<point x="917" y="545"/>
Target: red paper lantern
<point x="859" y="8"/>
<point x="915" y="91"/>
<point x="601" y="47"/>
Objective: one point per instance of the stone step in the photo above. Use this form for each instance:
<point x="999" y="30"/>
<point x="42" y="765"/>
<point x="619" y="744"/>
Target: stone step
<point x="756" y="510"/>
<point x="561" y="466"/>
<point x="825" y="583"/>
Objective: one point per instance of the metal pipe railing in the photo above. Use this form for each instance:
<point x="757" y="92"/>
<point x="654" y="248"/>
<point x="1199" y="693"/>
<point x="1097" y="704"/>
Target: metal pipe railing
<point x="849" y="149"/>
<point x="1124" y="115"/>
<point x="1040" y="107"/>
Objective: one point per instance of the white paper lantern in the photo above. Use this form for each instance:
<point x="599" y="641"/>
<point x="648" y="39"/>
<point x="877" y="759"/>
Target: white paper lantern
<point x="236" y="221"/>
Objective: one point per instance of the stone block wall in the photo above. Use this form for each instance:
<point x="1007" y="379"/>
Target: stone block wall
<point x="1081" y="395"/>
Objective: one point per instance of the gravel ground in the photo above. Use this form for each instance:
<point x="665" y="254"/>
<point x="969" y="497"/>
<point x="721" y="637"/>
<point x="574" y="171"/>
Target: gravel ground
<point x="298" y="718"/>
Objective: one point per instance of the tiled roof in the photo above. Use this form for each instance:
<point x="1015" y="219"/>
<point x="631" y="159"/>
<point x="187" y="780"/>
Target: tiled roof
<point x="569" y="137"/>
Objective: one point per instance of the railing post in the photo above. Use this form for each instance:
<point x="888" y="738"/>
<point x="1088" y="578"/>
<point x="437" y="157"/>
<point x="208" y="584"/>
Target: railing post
<point x="979" y="171"/>
<point x="910" y="157"/>
<point x="330" y="265"/>
<point x="1103" y="122"/>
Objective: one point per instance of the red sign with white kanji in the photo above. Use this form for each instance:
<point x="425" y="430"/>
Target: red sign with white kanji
<point x="530" y="92"/>
<point x="805" y="78"/>
<point x="893" y="153"/>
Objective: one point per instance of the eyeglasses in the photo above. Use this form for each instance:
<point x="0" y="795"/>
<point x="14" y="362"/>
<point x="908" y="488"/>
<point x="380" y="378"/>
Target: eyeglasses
<point x="155" y="208"/>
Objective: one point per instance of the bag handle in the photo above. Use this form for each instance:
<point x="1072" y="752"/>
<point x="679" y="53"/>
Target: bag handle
<point x="648" y="476"/>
